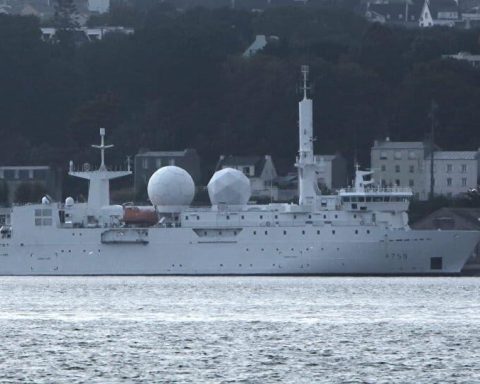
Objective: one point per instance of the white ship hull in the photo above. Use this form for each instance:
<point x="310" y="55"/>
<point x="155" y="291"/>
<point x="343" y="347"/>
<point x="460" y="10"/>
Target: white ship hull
<point x="180" y="251"/>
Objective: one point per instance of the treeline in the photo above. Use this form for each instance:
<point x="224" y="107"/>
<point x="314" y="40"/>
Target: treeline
<point x="181" y="81"/>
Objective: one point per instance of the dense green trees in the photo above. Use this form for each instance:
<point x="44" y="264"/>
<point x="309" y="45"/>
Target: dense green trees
<point x="181" y="81"/>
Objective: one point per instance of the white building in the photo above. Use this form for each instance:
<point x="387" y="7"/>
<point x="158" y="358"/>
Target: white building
<point x="259" y="169"/>
<point x="473" y="60"/>
<point x="100" y="6"/>
<point x="439" y="13"/>
<point x="454" y="172"/>
<point x="407" y="164"/>
<point x="331" y="171"/>
<point x="401" y="164"/>
<point x="91" y="34"/>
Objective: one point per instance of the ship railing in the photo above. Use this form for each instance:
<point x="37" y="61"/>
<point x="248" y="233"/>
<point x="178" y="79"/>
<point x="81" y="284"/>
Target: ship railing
<point x="384" y="190"/>
<point x="89" y="168"/>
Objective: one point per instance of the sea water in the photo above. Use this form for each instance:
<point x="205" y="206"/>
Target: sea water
<point x="239" y="330"/>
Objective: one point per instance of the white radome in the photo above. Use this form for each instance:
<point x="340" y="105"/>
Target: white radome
<point x="171" y="186"/>
<point x="229" y="186"/>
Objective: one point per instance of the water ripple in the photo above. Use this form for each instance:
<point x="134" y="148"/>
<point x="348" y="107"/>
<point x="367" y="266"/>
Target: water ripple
<point x="239" y="330"/>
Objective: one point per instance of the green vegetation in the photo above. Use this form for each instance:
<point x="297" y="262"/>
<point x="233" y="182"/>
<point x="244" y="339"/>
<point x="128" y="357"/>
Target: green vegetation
<point x="181" y="81"/>
<point x="28" y="192"/>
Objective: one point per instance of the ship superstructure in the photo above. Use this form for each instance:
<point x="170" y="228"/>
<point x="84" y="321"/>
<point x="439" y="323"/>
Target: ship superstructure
<point x="361" y="230"/>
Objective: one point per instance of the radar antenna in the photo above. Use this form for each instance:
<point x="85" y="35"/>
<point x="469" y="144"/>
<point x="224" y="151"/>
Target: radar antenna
<point x="305" y="87"/>
<point x="102" y="148"/>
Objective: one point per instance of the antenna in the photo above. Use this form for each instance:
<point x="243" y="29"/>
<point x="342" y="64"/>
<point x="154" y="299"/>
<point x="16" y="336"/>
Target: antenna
<point x="305" y="69"/>
<point x="129" y="163"/>
<point x="102" y="148"/>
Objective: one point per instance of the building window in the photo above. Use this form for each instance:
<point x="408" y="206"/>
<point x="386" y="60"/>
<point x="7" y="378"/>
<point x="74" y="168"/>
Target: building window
<point x="383" y="155"/>
<point x="171" y="162"/>
<point x="384" y="168"/>
<point x="464" y="181"/>
<point x="398" y="155"/>
<point x="397" y="182"/>
<point x="464" y="168"/>
<point x="246" y="171"/>
<point x="23" y="174"/>
<point x="145" y="163"/>
<point x="397" y="168"/>
<point x="411" y="169"/>
<point x="412" y="155"/>
<point x="449" y="181"/>
<point x="449" y="168"/>
<point x="410" y="183"/>
<point x="158" y="163"/>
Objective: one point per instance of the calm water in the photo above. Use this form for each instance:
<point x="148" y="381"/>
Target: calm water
<point x="248" y="330"/>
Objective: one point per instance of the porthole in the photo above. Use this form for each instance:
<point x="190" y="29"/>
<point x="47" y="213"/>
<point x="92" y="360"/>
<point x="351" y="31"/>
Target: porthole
<point x="318" y="232"/>
<point x="356" y="231"/>
<point x="261" y="217"/>
<point x="254" y="232"/>
<point x="333" y="232"/>
<point x="303" y="232"/>
<point x="368" y="231"/>
<point x="266" y="232"/>
<point x="221" y="265"/>
<point x="284" y="232"/>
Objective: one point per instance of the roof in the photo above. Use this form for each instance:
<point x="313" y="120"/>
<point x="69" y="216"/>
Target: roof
<point x="456" y="155"/>
<point x="166" y="153"/>
<point x="436" y="6"/>
<point x="387" y="144"/>
<point x="394" y="10"/>
<point x="460" y="218"/>
<point x="235" y="161"/>
<point x="463" y="56"/>
<point x="23" y="167"/>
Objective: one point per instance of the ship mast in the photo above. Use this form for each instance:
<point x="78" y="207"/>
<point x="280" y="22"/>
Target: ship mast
<point x="307" y="184"/>
<point x="99" y="180"/>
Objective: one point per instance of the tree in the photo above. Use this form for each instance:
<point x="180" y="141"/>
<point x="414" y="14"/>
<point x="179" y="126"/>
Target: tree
<point x="28" y="192"/>
<point x="3" y="192"/>
<point x="64" y="20"/>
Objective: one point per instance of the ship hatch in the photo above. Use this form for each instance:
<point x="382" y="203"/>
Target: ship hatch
<point x="436" y="263"/>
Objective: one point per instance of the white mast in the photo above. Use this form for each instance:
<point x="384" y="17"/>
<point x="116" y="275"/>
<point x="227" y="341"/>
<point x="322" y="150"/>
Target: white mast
<point x="307" y="183"/>
<point x="99" y="185"/>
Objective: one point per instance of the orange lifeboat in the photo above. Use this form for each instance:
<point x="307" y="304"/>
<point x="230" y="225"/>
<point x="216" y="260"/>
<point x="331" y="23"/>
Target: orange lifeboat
<point x="144" y="216"/>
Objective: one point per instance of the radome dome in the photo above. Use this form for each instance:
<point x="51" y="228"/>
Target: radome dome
<point x="171" y="186"/>
<point x="229" y="186"/>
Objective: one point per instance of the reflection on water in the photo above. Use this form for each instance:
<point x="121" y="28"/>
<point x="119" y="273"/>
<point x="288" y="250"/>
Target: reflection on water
<point x="239" y="329"/>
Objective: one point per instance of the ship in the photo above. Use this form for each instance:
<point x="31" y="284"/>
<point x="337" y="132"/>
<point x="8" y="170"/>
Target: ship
<point x="360" y="230"/>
